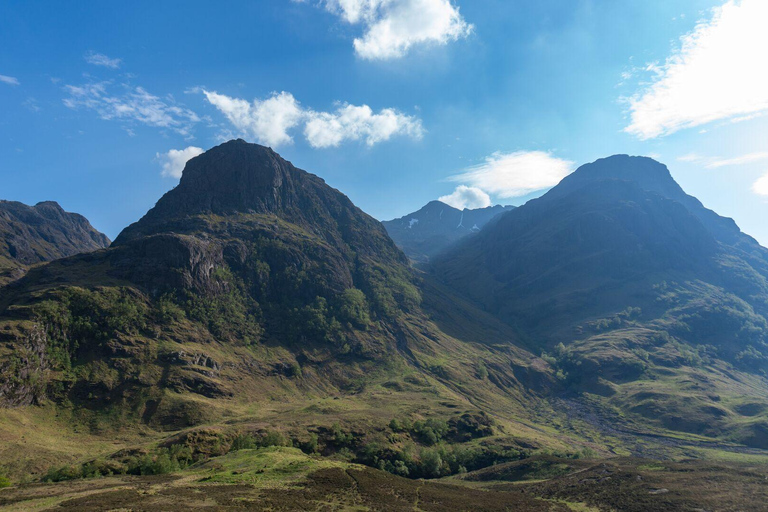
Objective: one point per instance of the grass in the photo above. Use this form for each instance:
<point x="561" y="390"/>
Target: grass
<point x="276" y="466"/>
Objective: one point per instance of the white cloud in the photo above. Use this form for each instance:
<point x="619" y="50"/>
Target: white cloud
<point x="267" y="120"/>
<point x="718" y="73"/>
<point x="467" y="197"/>
<point x="393" y="27"/>
<point x="270" y="121"/>
<point x="690" y="157"/>
<point x="134" y="104"/>
<point x="717" y="162"/>
<point x="761" y="186"/>
<point x="173" y="161"/>
<point x="350" y="122"/>
<point x="10" y="80"/>
<point x="739" y="160"/>
<point x="508" y="175"/>
<point x="99" y="59"/>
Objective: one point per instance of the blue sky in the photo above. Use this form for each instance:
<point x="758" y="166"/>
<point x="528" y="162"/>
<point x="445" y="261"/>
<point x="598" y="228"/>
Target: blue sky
<point x="394" y="102"/>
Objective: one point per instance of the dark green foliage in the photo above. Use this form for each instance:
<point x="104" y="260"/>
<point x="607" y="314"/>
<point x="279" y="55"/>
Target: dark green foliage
<point x="77" y="318"/>
<point x="274" y="438"/>
<point x="482" y="371"/>
<point x="435" y="461"/>
<point x="431" y="431"/>
<point x="340" y="438"/>
<point x="168" y="311"/>
<point x="244" y="442"/>
<point x="4" y="481"/>
<point x="160" y="462"/>
<point x="231" y="313"/>
<point x="309" y="446"/>
<point x="353" y="308"/>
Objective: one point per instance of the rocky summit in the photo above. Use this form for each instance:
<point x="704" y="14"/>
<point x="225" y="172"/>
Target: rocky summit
<point x="41" y="233"/>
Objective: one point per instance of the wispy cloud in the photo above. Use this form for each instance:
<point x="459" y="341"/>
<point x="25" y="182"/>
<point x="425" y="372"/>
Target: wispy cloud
<point x="739" y="160"/>
<point x="270" y="121"/>
<point x="710" y="162"/>
<point x="393" y="27"/>
<point x="508" y="175"/>
<point x="173" y="161"/>
<point x="99" y="59"/>
<point x="717" y="74"/>
<point x="131" y="104"/>
<point x="10" y="80"/>
<point x="467" y="197"/>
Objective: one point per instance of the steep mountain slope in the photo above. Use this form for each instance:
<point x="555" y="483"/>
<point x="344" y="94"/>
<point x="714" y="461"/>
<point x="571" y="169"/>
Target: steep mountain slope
<point x="634" y="289"/>
<point x="254" y="294"/>
<point x="40" y="233"/>
<point x="429" y="231"/>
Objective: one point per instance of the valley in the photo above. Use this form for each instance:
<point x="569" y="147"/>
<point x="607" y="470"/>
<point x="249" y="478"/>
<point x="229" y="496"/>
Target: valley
<point x="257" y="341"/>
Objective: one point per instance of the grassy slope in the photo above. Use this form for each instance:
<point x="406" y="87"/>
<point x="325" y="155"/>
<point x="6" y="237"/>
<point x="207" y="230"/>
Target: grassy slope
<point x="263" y="479"/>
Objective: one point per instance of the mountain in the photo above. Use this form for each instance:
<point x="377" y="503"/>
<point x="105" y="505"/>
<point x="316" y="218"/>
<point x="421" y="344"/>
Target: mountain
<point x="429" y="231"/>
<point x="256" y="328"/>
<point x="634" y="290"/>
<point x="254" y="294"/>
<point x="40" y="233"/>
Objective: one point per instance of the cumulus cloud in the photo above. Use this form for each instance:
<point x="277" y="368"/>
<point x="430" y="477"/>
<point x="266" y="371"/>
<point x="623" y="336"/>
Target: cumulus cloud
<point x="508" y="175"/>
<point x="10" y="80"/>
<point x="99" y="59"/>
<point x="761" y="186"/>
<point x="393" y="27"/>
<point x="467" y="197"/>
<point x="132" y="105"/>
<point x="350" y="122"/>
<point x="269" y="121"/>
<point x="716" y="74"/>
<point x="173" y="161"/>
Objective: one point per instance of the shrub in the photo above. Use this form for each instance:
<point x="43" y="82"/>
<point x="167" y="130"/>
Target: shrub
<point x="274" y="438"/>
<point x="244" y="442"/>
<point x="353" y="308"/>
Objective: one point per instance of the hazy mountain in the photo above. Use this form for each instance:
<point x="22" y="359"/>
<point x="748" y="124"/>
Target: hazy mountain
<point x="44" y="232"/>
<point x="430" y="230"/>
<point x="633" y="277"/>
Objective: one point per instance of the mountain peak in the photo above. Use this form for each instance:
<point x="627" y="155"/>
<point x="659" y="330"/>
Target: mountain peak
<point x="644" y="171"/>
<point x="240" y="177"/>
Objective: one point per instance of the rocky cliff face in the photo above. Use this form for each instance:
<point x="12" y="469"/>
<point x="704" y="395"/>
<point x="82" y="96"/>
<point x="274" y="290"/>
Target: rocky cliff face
<point x="40" y="233"/>
<point x="248" y="252"/>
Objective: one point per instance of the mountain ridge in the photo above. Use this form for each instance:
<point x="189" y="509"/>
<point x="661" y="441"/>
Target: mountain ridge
<point x="434" y="227"/>
<point x="629" y="283"/>
<point x="44" y="232"/>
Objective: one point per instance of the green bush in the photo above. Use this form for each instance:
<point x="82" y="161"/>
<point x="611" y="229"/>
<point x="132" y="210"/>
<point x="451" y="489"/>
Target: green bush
<point x="274" y="438"/>
<point x="244" y="442"/>
<point x="353" y="308"/>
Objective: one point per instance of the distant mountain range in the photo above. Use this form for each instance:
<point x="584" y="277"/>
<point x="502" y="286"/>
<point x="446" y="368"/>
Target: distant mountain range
<point x="429" y="231"/>
<point x="256" y="306"/>
<point x="41" y="233"/>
